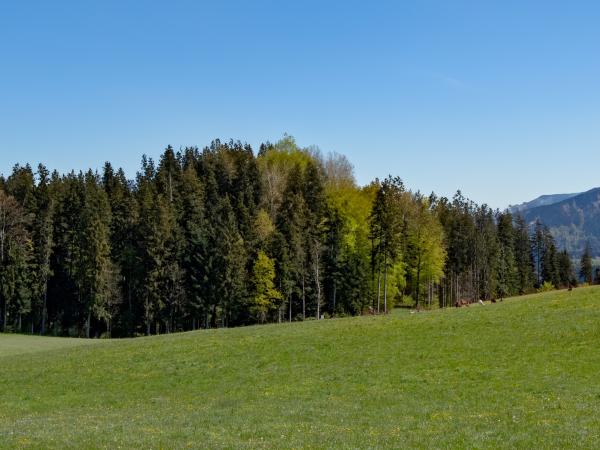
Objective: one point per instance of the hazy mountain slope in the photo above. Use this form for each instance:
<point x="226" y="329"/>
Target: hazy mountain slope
<point x="573" y="221"/>
<point x="543" y="200"/>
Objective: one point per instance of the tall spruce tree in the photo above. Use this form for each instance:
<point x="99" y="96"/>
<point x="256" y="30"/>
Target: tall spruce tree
<point x="523" y="257"/>
<point x="15" y="262"/>
<point x="586" y="269"/>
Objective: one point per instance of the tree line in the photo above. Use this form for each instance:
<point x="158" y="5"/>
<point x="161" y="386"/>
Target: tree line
<point x="222" y="237"/>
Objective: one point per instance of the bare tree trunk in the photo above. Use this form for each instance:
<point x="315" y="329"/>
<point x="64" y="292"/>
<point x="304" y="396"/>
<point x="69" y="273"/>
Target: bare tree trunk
<point x="317" y="279"/>
<point x="378" y="285"/>
<point x="88" y="323"/>
<point x="385" y="283"/>
<point x="148" y="321"/>
<point x="130" y="306"/>
<point x="444" y="294"/>
<point x="44" y="309"/>
<point x="418" y="278"/>
<point x="334" y="295"/>
<point x="213" y="318"/>
<point x="303" y="300"/>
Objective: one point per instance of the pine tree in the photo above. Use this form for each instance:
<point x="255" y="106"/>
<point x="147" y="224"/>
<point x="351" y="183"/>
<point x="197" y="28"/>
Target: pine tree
<point x="124" y="220"/>
<point x="155" y="232"/>
<point x="15" y="259"/>
<point x="230" y="267"/>
<point x="486" y="251"/>
<point x="523" y="257"/>
<point x="537" y="245"/>
<point x="566" y="273"/>
<point x="94" y="271"/>
<point x="388" y="221"/>
<point x="314" y="198"/>
<point x="291" y="225"/>
<point x="43" y="239"/>
<point x="586" y="269"/>
<point x="195" y="244"/>
<point x="549" y="259"/>
<point x="507" y="265"/>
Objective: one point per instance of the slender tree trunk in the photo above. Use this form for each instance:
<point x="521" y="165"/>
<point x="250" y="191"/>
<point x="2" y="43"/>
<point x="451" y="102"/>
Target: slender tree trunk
<point x="213" y="317"/>
<point x="303" y="300"/>
<point x="418" y="278"/>
<point x="5" y="313"/>
<point x="88" y="323"/>
<point x="385" y="267"/>
<point x="44" y="309"/>
<point x="334" y="295"/>
<point x="378" y="285"/>
<point x="130" y="307"/>
<point x="444" y="293"/>
<point x="317" y="278"/>
<point x="148" y="322"/>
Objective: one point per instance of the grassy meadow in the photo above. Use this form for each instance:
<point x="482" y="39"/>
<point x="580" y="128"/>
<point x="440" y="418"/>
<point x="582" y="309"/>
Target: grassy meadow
<point x="524" y="373"/>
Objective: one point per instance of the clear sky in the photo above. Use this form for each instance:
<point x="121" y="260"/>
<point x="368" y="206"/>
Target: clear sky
<point x="500" y="99"/>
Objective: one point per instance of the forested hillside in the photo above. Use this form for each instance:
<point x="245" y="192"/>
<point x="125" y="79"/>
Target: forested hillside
<point x="222" y="237"/>
<point x="574" y="221"/>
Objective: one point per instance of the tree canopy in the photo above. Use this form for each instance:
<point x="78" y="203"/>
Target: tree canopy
<point x="222" y="237"/>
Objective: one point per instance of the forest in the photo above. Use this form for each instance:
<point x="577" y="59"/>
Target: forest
<point x="223" y="237"/>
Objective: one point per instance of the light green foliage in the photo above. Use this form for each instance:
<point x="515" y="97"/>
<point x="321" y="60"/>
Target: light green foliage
<point x="275" y="163"/>
<point x="426" y="247"/>
<point x="266" y="298"/>
<point x="264" y="226"/>
<point x="354" y="205"/>
<point x="396" y="282"/>
<point x="517" y="374"/>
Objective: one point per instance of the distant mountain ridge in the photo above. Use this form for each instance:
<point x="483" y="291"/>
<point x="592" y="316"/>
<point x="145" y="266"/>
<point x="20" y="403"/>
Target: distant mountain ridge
<point x="543" y="200"/>
<point x="573" y="219"/>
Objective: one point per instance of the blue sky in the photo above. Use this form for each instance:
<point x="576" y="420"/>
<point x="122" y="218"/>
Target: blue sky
<point x="500" y="99"/>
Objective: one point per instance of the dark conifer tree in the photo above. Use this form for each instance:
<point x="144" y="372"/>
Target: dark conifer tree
<point x="586" y="270"/>
<point x="523" y="257"/>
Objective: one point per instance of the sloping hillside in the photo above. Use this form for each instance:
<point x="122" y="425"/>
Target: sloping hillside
<point x="522" y="373"/>
<point x="573" y="222"/>
<point x="543" y="200"/>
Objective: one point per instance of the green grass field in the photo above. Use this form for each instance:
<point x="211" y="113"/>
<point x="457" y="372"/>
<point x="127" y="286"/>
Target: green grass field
<point x="524" y="373"/>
